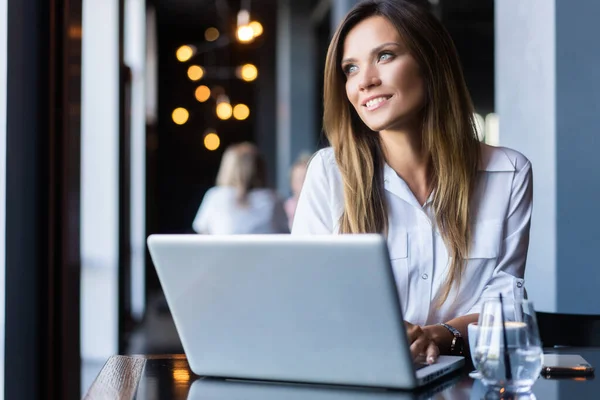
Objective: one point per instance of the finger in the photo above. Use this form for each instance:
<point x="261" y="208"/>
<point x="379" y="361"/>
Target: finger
<point x="420" y="359"/>
<point x="418" y="348"/>
<point x="433" y="352"/>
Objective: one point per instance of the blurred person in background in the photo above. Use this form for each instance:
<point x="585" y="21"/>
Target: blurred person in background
<point x="241" y="203"/>
<point x="297" y="175"/>
<point x="405" y="161"/>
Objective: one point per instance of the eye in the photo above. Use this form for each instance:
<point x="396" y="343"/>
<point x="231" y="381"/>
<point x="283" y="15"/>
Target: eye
<point x="349" y="69"/>
<point x="385" y="56"/>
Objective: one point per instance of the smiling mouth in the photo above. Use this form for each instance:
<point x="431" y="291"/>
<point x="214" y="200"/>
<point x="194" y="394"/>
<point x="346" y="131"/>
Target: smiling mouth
<point x="375" y="103"/>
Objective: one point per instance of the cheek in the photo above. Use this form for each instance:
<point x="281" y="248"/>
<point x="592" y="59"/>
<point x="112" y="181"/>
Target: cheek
<point x="414" y="79"/>
<point x="412" y="85"/>
<point x="419" y="90"/>
<point x="351" y="94"/>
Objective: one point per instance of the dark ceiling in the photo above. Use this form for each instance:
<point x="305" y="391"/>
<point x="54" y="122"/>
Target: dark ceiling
<point x="191" y="12"/>
<point x="203" y="12"/>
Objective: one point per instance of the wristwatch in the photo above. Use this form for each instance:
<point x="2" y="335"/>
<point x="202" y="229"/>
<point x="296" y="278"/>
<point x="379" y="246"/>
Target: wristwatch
<point x="457" y="348"/>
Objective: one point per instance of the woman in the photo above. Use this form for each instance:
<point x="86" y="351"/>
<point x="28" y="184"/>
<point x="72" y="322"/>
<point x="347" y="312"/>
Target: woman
<point x="405" y="161"/>
<point x="241" y="203"/>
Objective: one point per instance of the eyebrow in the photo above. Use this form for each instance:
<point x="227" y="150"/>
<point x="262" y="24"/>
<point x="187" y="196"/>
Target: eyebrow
<point x="374" y="51"/>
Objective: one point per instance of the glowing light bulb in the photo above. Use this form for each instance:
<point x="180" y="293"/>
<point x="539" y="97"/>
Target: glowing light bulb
<point x="202" y="93"/>
<point x="195" y="72"/>
<point x="185" y="52"/>
<point x="224" y="111"/>
<point x="211" y="34"/>
<point x="245" y="33"/>
<point x="241" y="112"/>
<point x="212" y="141"/>
<point x="180" y="115"/>
<point x="257" y="28"/>
<point x="247" y="72"/>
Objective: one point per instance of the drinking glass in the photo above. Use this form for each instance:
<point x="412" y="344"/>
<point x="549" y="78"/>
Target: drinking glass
<point x="508" y="351"/>
<point x="473" y="330"/>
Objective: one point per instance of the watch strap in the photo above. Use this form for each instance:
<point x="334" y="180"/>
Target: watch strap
<point x="457" y="345"/>
<point x="455" y="332"/>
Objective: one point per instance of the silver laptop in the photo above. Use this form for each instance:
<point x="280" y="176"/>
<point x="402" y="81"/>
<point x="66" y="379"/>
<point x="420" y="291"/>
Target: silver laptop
<point x="314" y="309"/>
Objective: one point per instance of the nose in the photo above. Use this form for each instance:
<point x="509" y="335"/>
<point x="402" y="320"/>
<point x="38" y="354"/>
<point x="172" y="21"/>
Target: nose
<point x="369" y="79"/>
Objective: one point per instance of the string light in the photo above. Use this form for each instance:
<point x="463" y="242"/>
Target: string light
<point x="257" y="28"/>
<point x="185" y="52"/>
<point x="247" y="72"/>
<point x="195" y="72"/>
<point x="212" y="141"/>
<point x="241" y="112"/>
<point x="180" y="115"/>
<point x="245" y="34"/>
<point x="224" y="111"/>
<point x="202" y="93"/>
<point x="211" y="34"/>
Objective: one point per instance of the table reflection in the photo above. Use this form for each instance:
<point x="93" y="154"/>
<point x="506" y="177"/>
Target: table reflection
<point x="457" y="388"/>
<point x="220" y="389"/>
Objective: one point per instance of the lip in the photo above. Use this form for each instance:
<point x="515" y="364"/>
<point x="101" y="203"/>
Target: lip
<point x="376" y="106"/>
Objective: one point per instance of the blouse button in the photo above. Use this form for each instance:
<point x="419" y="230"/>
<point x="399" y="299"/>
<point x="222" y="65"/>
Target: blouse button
<point x="424" y="276"/>
<point x="519" y="284"/>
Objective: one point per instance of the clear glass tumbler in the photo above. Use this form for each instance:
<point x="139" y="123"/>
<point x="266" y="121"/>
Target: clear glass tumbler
<point x="508" y="351"/>
<point x="473" y="330"/>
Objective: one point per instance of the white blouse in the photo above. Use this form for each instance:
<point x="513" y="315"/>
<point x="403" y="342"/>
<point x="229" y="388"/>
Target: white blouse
<point x="220" y="213"/>
<point x="501" y="212"/>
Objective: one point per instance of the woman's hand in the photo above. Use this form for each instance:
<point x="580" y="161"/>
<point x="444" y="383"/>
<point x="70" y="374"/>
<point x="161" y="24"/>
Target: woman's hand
<point x="422" y="346"/>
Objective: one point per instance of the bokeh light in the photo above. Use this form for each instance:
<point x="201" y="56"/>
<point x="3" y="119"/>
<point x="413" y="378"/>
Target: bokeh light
<point x="212" y="141"/>
<point x="241" y="112"/>
<point x="257" y="28"/>
<point x="211" y="34"/>
<point x="181" y="375"/>
<point x="247" y="72"/>
<point x="224" y="111"/>
<point x="195" y="72"/>
<point x="180" y="115"/>
<point x="185" y="52"/>
<point x="202" y="93"/>
<point x="245" y="33"/>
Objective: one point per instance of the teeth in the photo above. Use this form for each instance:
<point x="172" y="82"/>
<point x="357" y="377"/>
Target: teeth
<point x="376" y="101"/>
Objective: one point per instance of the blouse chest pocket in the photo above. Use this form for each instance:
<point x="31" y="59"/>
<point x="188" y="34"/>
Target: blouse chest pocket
<point x="398" y="245"/>
<point x="487" y="241"/>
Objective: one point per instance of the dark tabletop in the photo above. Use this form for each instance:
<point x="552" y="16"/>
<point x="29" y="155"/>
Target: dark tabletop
<point x="169" y="377"/>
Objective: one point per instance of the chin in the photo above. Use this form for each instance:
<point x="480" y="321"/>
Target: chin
<point x="377" y="126"/>
<point x="389" y="123"/>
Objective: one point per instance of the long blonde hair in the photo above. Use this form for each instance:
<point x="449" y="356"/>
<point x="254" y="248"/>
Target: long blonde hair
<point x="449" y="134"/>
<point x="242" y="167"/>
